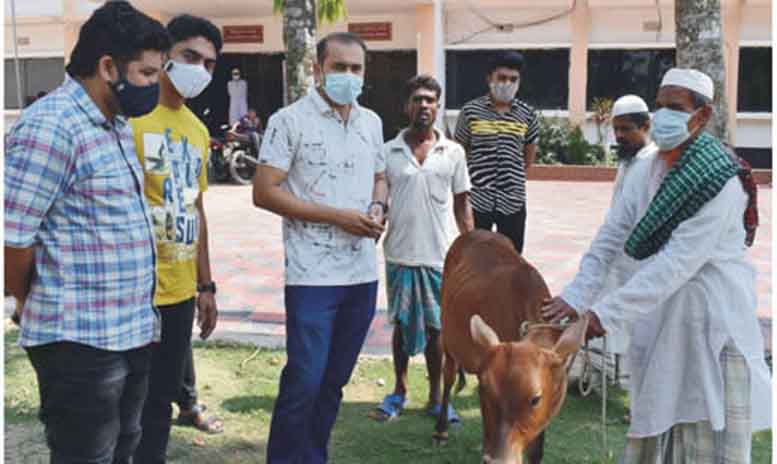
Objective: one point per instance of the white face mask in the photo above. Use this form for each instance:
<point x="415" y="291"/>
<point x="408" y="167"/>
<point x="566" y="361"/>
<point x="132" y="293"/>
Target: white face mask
<point x="188" y="79"/>
<point x="504" y="92"/>
<point x="235" y="77"/>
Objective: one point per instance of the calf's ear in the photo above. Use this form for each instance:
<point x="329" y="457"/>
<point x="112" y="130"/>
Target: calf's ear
<point x="482" y="334"/>
<point x="572" y="338"/>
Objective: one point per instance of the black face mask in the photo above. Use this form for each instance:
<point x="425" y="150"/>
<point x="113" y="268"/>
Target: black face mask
<point x="135" y="100"/>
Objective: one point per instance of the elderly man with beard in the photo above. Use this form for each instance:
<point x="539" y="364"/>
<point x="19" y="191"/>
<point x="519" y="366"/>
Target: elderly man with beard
<point x="427" y="177"/>
<point x="631" y="125"/>
<point x="699" y="383"/>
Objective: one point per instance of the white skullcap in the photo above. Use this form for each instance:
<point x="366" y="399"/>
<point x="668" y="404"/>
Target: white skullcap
<point x="629" y="104"/>
<point x="690" y="79"/>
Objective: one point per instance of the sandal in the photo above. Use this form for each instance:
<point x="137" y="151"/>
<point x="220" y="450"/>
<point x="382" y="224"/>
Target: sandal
<point x="389" y="409"/>
<point x="434" y="410"/>
<point x="195" y="418"/>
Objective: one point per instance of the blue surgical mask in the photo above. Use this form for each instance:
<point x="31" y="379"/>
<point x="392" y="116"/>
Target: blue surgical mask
<point x="343" y="88"/>
<point x="135" y="100"/>
<point x="670" y="128"/>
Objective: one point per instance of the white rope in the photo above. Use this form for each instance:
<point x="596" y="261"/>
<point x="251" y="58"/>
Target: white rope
<point x="586" y="382"/>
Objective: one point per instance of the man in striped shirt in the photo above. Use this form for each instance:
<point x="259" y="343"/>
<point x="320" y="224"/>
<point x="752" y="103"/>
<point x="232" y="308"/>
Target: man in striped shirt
<point x="499" y="133"/>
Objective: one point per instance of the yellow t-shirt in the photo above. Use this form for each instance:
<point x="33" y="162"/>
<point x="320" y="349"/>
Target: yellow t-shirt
<point x="172" y="147"/>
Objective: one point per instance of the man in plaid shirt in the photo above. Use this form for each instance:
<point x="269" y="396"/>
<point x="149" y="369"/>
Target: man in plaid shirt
<point x="79" y="247"/>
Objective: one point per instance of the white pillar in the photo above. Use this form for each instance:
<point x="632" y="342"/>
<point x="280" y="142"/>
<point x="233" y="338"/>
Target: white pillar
<point x="732" y="25"/>
<point x="439" y="54"/>
<point x="580" y="23"/>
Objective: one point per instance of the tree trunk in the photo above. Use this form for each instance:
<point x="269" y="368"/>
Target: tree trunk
<point x="699" y="40"/>
<point x="299" y="34"/>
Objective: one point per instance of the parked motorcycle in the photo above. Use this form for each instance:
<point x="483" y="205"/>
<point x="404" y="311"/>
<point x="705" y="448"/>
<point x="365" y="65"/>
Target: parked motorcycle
<point x="241" y="152"/>
<point x="232" y="156"/>
<point x="219" y="166"/>
<point x="232" y="159"/>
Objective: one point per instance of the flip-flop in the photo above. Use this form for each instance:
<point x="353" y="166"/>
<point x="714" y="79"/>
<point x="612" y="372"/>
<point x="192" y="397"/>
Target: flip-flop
<point x="212" y="425"/>
<point x="434" y="410"/>
<point x="185" y="418"/>
<point x="389" y="409"/>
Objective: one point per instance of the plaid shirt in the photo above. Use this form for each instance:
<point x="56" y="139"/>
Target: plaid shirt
<point x="74" y="192"/>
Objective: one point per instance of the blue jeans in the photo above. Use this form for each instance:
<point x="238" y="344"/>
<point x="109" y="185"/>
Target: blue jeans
<point x="325" y="330"/>
<point x="90" y="401"/>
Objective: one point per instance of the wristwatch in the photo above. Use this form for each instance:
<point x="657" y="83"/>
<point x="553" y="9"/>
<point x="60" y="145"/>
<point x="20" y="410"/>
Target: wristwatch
<point x="207" y="287"/>
<point x="383" y="205"/>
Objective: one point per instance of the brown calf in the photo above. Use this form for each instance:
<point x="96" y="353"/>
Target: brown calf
<point x="488" y="291"/>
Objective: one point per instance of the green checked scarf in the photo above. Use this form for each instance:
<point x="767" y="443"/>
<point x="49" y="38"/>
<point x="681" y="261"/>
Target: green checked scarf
<point x="697" y="177"/>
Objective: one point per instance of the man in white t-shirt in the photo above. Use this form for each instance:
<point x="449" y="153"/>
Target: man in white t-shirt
<point x="427" y="177"/>
<point x="322" y="169"/>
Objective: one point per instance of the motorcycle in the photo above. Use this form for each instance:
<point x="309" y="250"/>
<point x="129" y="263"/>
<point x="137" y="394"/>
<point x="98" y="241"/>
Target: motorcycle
<point x="219" y="167"/>
<point x="241" y="154"/>
<point x="233" y="158"/>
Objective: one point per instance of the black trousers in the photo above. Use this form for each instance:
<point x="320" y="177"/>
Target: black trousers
<point x="90" y="401"/>
<point x="187" y="397"/>
<point x="168" y="361"/>
<point x="511" y="225"/>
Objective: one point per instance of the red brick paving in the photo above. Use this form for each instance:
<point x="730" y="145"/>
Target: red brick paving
<point x="246" y="252"/>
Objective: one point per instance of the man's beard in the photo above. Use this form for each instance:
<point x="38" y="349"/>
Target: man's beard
<point x="627" y="152"/>
<point x="421" y="126"/>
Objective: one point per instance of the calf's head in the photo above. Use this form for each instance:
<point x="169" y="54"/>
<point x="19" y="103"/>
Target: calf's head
<point x="521" y="385"/>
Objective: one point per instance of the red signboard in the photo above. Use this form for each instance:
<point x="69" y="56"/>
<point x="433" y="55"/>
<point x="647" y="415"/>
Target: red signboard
<point x="371" y="31"/>
<point x="244" y="34"/>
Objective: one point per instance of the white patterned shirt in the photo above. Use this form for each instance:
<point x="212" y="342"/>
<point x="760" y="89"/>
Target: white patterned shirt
<point x="330" y="163"/>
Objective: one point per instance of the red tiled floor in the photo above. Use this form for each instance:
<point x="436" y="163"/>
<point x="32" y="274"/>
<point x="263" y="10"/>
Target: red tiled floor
<point x="247" y="253"/>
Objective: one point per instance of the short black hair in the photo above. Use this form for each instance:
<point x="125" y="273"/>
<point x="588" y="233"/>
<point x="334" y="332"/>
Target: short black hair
<point x="118" y="30"/>
<point x="506" y="59"/>
<point x="185" y="26"/>
<point x="342" y="37"/>
<point x="422" y="81"/>
<point x="639" y="119"/>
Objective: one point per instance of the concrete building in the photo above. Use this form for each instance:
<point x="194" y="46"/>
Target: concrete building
<point x="576" y="50"/>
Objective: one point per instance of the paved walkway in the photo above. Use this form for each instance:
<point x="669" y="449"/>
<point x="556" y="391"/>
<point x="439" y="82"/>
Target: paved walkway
<point x="247" y="256"/>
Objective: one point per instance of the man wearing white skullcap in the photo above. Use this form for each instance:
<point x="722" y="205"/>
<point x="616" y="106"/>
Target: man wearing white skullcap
<point x="696" y="351"/>
<point x="631" y="126"/>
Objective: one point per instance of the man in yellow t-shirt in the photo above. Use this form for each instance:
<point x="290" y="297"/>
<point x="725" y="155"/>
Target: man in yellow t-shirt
<point x="172" y="145"/>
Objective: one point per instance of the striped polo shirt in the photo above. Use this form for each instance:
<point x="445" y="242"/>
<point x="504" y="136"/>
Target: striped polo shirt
<point x="495" y="147"/>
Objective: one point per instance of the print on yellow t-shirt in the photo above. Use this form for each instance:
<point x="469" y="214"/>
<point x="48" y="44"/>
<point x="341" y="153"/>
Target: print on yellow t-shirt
<point x="172" y="147"/>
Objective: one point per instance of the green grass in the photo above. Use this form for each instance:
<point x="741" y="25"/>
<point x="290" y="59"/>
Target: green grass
<point x="244" y="398"/>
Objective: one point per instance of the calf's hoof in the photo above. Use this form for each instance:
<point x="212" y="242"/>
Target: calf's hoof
<point x="440" y="438"/>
